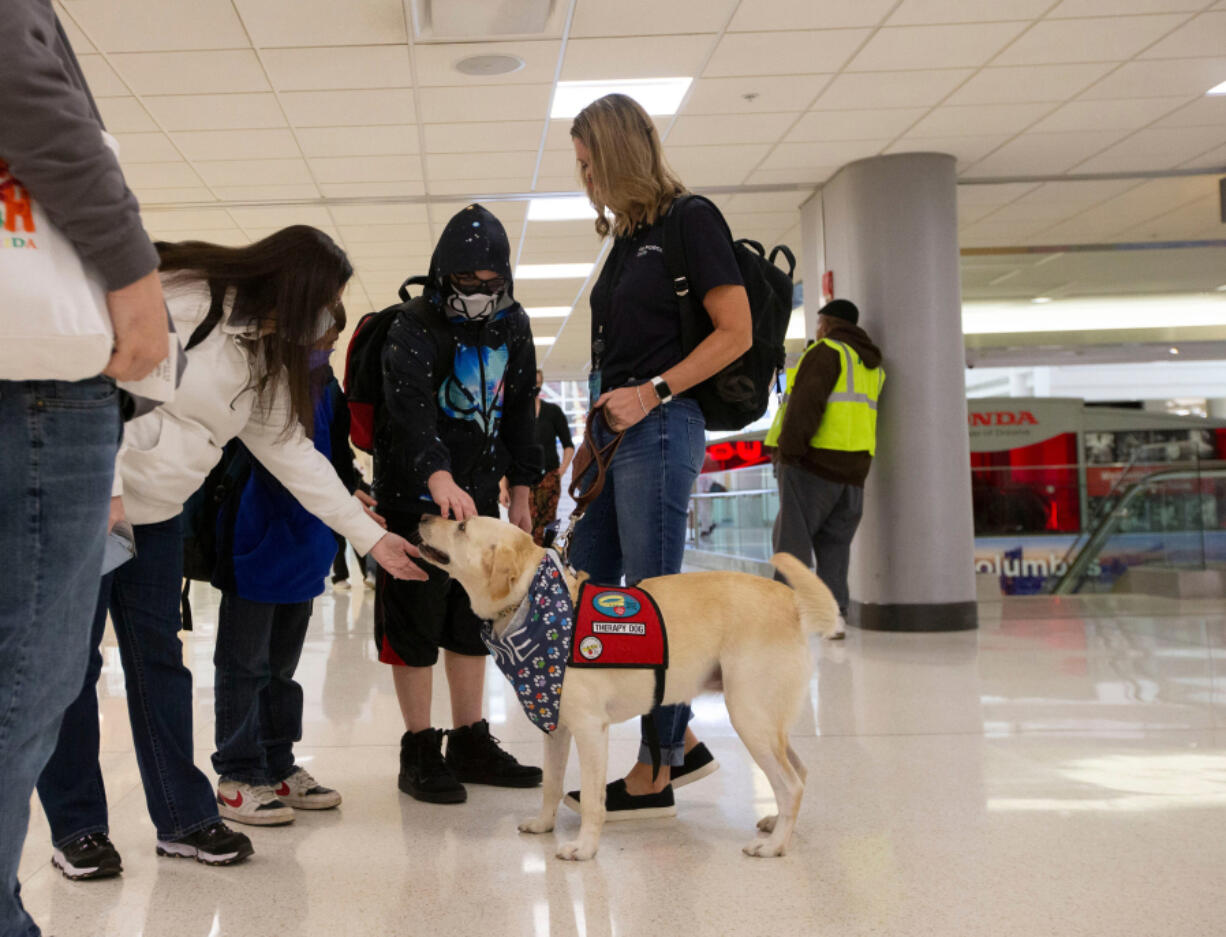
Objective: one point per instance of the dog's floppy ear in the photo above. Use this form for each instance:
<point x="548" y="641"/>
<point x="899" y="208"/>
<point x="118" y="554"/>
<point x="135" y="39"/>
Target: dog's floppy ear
<point x="501" y="569"/>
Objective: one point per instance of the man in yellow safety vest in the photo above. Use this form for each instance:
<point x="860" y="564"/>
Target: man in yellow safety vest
<point x="824" y="437"/>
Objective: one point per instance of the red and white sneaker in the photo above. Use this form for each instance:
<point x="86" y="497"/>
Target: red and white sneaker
<point x="255" y="804"/>
<point x="303" y="792"/>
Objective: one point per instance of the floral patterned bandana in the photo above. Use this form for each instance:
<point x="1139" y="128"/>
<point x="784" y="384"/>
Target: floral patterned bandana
<point x="533" y="649"/>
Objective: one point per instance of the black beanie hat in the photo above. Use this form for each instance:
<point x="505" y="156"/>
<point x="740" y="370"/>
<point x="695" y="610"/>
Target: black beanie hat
<point x="841" y="309"/>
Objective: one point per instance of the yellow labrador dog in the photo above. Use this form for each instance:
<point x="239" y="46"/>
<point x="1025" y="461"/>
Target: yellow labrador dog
<point x="742" y="633"/>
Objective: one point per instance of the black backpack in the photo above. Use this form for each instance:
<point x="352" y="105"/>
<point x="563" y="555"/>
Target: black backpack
<point x="738" y="394"/>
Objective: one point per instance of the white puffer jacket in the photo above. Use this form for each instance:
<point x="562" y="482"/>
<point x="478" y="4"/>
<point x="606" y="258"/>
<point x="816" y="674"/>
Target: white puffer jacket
<point x="166" y="454"/>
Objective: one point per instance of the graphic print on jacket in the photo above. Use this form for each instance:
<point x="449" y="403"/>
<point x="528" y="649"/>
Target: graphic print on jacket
<point x="475" y="387"/>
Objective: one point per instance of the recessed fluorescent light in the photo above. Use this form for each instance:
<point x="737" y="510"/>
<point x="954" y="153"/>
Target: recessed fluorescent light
<point x="1174" y="350"/>
<point x="544" y="340"/>
<point x="549" y="312"/>
<point x="1222" y="288"/>
<point x="1217" y="89"/>
<point x="1094" y="315"/>
<point x="796" y="324"/>
<point x="552" y="271"/>
<point x="571" y="208"/>
<point x="1041" y="299"/>
<point x="659" y="96"/>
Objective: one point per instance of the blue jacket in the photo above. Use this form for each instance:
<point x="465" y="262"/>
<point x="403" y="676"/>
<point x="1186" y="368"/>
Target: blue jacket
<point x="279" y="553"/>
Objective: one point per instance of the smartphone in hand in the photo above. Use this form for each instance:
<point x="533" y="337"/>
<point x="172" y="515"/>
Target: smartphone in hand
<point x="120" y="547"/>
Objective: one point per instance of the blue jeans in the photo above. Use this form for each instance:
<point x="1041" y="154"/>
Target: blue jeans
<point x="636" y="526"/>
<point x="143" y="597"/>
<point x="256" y="701"/>
<point x="57" y="456"/>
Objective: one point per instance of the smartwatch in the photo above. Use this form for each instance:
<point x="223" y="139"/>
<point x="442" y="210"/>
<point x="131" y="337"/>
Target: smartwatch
<point x="661" y="388"/>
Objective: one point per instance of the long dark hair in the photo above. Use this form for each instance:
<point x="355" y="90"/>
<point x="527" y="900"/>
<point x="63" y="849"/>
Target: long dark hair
<point x="287" y="279"/>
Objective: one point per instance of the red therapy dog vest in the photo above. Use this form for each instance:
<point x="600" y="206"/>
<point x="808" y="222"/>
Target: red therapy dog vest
<point x="617" y="627"/>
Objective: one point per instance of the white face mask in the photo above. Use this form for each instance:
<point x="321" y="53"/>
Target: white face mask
<point x="472" y="305"/>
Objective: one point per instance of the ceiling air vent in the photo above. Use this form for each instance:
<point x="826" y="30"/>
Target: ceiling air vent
<point x="485" y="20"/>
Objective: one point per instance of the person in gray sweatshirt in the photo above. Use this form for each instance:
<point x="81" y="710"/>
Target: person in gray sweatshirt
<point x="58" y="438"/>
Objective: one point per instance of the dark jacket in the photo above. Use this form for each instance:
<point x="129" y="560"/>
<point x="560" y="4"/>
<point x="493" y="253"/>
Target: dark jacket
<point x="457" y="394"/>
<point x="818" y="373"/>
<point x="50" y="136"/>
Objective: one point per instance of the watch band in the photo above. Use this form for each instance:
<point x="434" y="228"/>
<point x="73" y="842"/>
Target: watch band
<point x="662" y="389"/>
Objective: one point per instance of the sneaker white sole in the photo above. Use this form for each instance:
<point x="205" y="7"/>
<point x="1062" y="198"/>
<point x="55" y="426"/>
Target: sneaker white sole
<point x="184" y="851"/>
<point x="256" y="819"/>
<point x="74" y="872"/>
<point x="617" y="816"/>
<point x="312" y="803"/>
<point x="696" y="775"/>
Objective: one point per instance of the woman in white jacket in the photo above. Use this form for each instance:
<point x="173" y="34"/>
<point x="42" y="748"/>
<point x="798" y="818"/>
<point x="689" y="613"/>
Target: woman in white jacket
<point x="252" y="314"/>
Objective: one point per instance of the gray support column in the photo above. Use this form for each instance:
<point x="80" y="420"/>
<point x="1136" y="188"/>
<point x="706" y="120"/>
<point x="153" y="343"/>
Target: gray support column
<point x="891" y="241"/>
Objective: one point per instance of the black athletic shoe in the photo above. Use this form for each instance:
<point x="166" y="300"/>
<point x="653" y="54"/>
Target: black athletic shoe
<point x="424" y="775"/>
<point x="619" y="804"/>
<point x="91" y="856"/>
<point x="475" y="757"/>
<point x="214" y="845"/>
<point x="699" y="762"/>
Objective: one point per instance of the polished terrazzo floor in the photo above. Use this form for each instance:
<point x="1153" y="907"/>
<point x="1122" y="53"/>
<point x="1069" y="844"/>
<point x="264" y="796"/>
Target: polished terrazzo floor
<point x="1062" y="771"/>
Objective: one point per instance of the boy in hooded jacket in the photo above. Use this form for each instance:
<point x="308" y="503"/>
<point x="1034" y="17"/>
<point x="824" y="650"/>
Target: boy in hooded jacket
<point x="459" y="366"/>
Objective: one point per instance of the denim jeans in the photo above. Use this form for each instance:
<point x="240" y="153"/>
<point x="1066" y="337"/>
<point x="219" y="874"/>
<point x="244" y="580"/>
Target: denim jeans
<point x="256" y="701"/>
<point x="57" y="455"/>
<point x="143" y="597"/>
<point x="636" y="526"/>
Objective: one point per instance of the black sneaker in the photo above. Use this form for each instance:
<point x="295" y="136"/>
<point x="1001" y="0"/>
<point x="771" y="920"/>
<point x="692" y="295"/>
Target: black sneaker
<point x="90" y="856"/>
<point x="619" y="804"/>
<point x="424" y="775"/>
<point x="699" y="762"/>
<point x="214" y="845"/>
<point x="475" y="757"/>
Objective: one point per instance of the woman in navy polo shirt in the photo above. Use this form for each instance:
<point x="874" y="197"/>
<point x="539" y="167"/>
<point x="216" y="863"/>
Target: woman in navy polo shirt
<point x="636" y="527"/>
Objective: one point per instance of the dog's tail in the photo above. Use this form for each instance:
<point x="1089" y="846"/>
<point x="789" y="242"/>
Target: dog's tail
<point x="819" y="613"/>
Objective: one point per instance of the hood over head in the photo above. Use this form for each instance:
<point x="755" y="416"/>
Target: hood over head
<point x="474" y="239"/>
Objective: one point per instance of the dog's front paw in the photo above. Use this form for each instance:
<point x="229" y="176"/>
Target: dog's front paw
<point x="576" y="851"/>
<point x="763" y="849"/>
<point x="537" y="824"/>
<point x="767" y="824"/>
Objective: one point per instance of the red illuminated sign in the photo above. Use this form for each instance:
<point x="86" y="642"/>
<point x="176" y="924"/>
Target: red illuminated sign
<point x="1003" y="418"/>
<point x="725" y="456"/>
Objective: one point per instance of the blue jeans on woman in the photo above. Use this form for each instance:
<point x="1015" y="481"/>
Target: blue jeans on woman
<point x="57" y="456"/>
<point x="255" y="699"/>
<point x="636" y="526"/>
<point x="143" y="597"/>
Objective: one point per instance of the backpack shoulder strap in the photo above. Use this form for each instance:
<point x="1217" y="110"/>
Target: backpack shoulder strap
<point x="678" y="270"/>
<point x="216" y="310"/>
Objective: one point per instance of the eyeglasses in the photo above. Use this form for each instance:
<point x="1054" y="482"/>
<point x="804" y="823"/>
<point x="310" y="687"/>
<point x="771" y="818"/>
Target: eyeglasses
<point x="471" y="283"/>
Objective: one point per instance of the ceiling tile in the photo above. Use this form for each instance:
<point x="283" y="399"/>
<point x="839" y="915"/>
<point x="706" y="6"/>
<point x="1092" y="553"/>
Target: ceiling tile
<point x="1156" y="79"/>
<point x="339" y="67"/>
<point x="1037" y="83"/>
<point x="155" y="25"/>
<point x="1070" y="8"/>
<point x="191" y="72"/>
<point x="366" y="168"/>
<point x="450" y="166"/>
<point x="436" y="63"/>
<point x="1036" y="154"/>
<point x="241" y="172"/>
<point x="922" y="12"/>
<point x="510" y="213"/>
<point x="125" y="115"/>
<point x="767" y="201"/>
<point x="1107" y="115"/>
<point x="854" y="92"/>
<point x="980" y="119"/>
<point x="481" y="138"/>
<point x="715" y="165"/>
<point x="276" y="143"/>
<point x="916" y="47"/>
<point x="156" y="195"/>
<point x="998" y="234"/>
<point x="376" y="234"/>
<point x="1105" y="39"/>
<point x="808" y="52"/>
<point x="389" y="140"/>
<point x="696" y="130"/>
<point x="598" y="18"/>
<point x="967" y="150"/>
<point x="226" y="237"/>
<point x="729" y="95"/>
<point x="1156" y="149"/>
<point x="559" y="250"/>
<point x="559" y="163"/>
<point x="1203" y="111"/>
<point x="832" y="153"/>
<point x="147" y="148"/>
<point x="281" y="216"/>
<point x="494" y="104"/>
<point x="578" y="230"/>
<point x="854" y="125"/>
<point x="1204" y="35"/>
<point x="103" y="81"/>
<point x="349" y="108"/>
<point x="167" y="175"/>
<point x="564" y="183"/>
<point x="788" y="15"/>
<point x="186" y="220"/>
<point x="812" y="175"/>
<point x="77" y="39"/>
<point x="375" y="215"/>
<point x="993" y="194"/>
<point x="397" y="189"/>
<point x="640" y="57"/>
<point x="216" y="111"/>
<point x="267" y="191"/>
<point x="323" y="22"/>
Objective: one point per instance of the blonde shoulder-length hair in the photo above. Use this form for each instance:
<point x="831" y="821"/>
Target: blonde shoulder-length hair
<point x="631" y="179"/>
